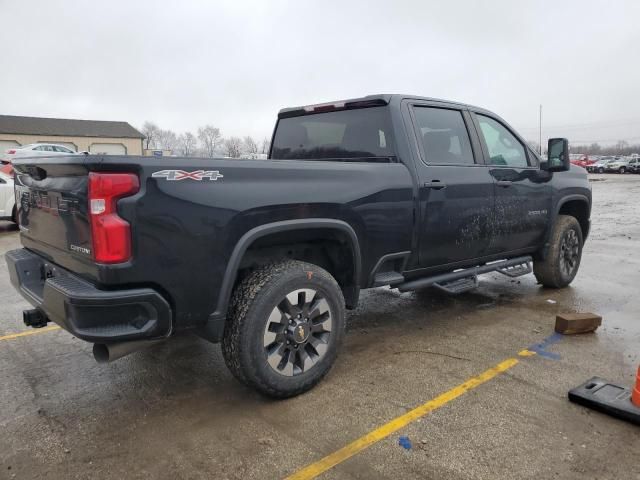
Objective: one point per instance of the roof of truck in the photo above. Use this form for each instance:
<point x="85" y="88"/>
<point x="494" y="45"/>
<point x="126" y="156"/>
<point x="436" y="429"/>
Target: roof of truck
<point x="367" y="101"/>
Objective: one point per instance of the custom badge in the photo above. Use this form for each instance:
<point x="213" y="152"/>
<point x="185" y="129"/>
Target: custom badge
<point x="177" y="175"/>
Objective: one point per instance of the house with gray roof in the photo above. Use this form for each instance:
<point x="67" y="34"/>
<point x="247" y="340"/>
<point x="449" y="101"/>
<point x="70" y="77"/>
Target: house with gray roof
<point x="95" y="136"/>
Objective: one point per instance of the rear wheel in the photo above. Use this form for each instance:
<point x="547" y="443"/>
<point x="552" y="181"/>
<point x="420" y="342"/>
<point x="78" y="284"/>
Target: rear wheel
<point x="600" y="170"/>
<point x="285" y="326"/>
<point x="561" y="264"/>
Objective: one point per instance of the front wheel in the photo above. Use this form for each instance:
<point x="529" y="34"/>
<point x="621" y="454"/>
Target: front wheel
<point x="601" y="170"/>
<point x="622" y="170"/>
<point x="285" y="326"/>
<point x="561" y="264"/>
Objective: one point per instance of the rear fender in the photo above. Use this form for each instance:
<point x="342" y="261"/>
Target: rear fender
<point x="215" y="325"/>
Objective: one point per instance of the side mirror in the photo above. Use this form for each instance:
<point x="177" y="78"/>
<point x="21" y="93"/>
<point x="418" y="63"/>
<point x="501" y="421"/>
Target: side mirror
<point x="558" y="155"/>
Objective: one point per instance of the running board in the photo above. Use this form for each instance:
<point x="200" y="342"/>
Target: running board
<point x="387" y="278"/>
<point x="516" y="270"/>
<point x="468" y="273"/>
<point x="461" y="285"/>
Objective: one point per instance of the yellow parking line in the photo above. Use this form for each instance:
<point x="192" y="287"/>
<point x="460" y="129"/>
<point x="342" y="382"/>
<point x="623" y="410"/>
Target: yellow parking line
<point x="339" y="456"/>
<point x="526" y="353"/>
<point x="29" y="332"/>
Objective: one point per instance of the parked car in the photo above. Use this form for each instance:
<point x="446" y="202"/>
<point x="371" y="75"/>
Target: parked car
<point x="634" y="165"/>
<point x="264" y="255"/>
<point x="6" y="168"/>
<point x="620" y="165"/>
<point x="37" y="149"/>
<point x="7" y="198"/>
<point x="581" y="160"/>
<point x="600" y="165"/>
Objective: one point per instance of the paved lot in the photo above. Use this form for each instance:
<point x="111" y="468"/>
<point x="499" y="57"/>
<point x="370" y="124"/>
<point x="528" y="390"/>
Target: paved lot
<point x="174" y="411"/>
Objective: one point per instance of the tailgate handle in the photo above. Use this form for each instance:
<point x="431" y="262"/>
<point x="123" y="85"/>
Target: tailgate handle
<point x="504" y="183"/>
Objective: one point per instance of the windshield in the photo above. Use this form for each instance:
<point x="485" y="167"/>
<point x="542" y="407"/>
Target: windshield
<point x="346" y="134"/>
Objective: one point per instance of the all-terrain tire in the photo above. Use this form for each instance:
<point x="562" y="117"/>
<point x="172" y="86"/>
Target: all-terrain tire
<point x="562" y="261"/>
<point x="250" y="314"/>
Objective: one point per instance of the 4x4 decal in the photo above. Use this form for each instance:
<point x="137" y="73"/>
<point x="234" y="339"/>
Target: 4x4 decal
<point x="199" y="175"/>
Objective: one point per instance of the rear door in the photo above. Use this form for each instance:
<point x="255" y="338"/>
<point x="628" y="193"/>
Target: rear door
<point x="522" y="190"/>
<point x="456" y="189"/>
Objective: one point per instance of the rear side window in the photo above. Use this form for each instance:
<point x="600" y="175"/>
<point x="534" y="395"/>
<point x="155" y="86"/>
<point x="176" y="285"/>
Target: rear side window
<point x="359" y="133"/>
<point x="444" y="136"/>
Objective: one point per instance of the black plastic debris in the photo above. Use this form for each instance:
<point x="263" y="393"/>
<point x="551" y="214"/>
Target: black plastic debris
<point x="608" y="398"/>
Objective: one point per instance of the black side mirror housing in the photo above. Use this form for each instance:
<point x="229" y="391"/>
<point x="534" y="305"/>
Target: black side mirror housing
<point x="558" y="156"/>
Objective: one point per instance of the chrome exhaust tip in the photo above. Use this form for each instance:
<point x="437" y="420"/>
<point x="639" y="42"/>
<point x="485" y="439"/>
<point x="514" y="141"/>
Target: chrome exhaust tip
<point x="108" y="352"/>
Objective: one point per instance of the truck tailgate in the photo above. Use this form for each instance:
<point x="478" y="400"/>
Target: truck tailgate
<point x="51" y="200"/>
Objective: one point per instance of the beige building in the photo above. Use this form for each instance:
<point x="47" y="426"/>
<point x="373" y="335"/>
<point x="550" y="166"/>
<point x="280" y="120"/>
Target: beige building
<point x="95" y="136"/>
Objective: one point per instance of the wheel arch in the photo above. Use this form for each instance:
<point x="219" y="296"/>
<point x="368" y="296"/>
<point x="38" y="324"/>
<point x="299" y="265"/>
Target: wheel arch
<point x="577" y="206"/>
<point x="269" y="230"/>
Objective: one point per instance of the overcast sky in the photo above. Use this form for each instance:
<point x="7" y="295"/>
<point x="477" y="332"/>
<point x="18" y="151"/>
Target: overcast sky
<point x="235" y="64"/>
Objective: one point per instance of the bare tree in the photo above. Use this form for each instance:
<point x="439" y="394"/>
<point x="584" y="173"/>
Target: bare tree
<point x="233" y="147"/>
<point x="622" y="146"/>
<point x="167" y="139"/>
<point x="188" y="143"/>
<point x="266" y="144"/>
<point x="150" y="131"/>
<point x="210" y="138"/>
<point x="250" y="147"/>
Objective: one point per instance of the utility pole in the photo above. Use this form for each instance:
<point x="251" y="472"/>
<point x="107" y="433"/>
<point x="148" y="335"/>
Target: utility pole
<point x="540" y="129"/>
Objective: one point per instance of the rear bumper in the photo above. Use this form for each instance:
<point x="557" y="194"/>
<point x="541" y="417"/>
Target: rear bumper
<point x="90" y="314"/>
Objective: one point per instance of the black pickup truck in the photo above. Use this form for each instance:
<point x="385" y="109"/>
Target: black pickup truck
<point x="264" y="255"/>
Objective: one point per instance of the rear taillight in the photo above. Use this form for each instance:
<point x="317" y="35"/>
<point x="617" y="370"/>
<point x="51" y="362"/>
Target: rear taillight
<point x="11" y="152"/>
<point x="111" y="234"/>
<point x="7" y="169"/>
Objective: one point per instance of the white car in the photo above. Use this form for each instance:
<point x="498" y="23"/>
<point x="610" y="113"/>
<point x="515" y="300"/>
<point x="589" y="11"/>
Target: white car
<point x="37" y="149"/>
<point x="621" y="165"/>
<point x="7" y="198"/>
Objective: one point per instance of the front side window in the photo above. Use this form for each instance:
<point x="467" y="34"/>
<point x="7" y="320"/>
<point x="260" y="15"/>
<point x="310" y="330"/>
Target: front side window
<point x="504" y="148"/>
<point x="444" y="136"/>
<point x="344" y="134"/>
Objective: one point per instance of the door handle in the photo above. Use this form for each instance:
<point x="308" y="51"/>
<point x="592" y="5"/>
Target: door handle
<point x="504" y="183"/>
<point x="435" y="184"/>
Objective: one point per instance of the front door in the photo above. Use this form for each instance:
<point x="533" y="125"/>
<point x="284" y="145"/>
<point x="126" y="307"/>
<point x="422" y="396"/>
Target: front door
<point x="456" y="189"/>
<point x="522" y="190"/>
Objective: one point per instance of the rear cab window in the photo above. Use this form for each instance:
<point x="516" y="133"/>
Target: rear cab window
<point x="443" y="135"/>
<point x="362" y="133"/>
